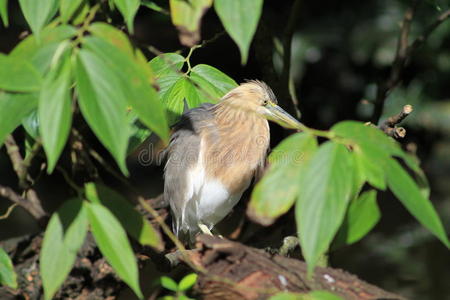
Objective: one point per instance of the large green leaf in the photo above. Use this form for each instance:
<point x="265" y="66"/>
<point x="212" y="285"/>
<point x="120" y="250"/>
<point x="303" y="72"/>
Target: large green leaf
<point x="186" y="16"/>
<point x="142" y="97"/>
<point x="27" y="48"/>
<point x="7" y="275"/>
<point x="63" y="238"/>
<point x="114" y="245"/>
<point x="13" y="108"/>
<point x="128" y="9"/>
<point x="113" y="36"/>
<point x="275" y="194"/>
<point x="362" y="215"/>
<point x="213" y="83"/>
<point x="103" y="104"/>
<point x="407" y="191"/>
<point x="18" y="75"/>
<point x="324" y="194"/>
<point x="4" y="12"/>
<point x="38" y="13"/>
<point x="67" y="8"/>
<point x="134" y="223"/>
<point x="55" y="112"/>
<point x="167" y="64"/>
<point x="174" y="98"/>
<point x="240" y="19"/>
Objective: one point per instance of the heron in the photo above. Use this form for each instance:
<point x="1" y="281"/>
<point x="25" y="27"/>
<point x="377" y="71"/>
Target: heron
<point x="214" y="152"/>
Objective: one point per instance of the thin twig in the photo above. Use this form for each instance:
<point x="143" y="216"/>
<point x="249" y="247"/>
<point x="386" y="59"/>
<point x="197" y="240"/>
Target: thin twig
<point x="403" y="55"/>
<point x="389" y="126"/>
<point x="27" y="204"/>
<point x="286" y="78"/>
<point x="8" y="211"/>
<point x="17" y="161"/>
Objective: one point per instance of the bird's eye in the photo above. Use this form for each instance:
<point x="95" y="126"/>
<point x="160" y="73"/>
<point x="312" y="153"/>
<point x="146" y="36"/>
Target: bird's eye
<point x="265" y="102"/>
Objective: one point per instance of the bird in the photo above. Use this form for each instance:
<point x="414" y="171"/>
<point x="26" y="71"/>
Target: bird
<point x="214" y="152"/>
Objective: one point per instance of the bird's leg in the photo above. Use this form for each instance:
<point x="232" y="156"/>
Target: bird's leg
<point x="204" y="229"/>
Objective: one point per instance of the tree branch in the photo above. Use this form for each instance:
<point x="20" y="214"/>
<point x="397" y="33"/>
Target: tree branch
<point x="403" y="54"/>
<point x="32" y="203"/>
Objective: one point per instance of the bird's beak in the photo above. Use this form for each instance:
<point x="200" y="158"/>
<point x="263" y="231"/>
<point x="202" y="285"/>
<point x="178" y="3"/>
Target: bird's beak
<point x="275" y="113"/>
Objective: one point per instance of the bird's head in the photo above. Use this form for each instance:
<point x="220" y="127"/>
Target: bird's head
<point x="257" y="97"/>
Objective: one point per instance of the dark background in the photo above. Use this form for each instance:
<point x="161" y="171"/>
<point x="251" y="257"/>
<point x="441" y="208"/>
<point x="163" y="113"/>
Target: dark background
<point x="340" y="50"/>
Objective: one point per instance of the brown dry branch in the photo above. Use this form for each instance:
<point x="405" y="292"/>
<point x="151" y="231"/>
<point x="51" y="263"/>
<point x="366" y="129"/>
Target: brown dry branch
<point x="389" y="126"/>
<point x="31" y="203"/>
<point x="235" y="271"/>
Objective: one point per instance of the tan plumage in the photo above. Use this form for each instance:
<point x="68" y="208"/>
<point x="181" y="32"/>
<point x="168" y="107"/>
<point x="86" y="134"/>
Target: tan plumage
<point x="214" y="153"/>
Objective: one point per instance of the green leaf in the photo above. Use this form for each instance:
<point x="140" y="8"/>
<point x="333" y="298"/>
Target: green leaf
<point x="167" y="63"/>
<point x="323" y="295"/>
<point x="142" y="97"/>
<point x="55" y="111"/>
<point x="113" y="36"/>
<point x="63" y="238"/>
<point x="38" y="13"/>
<point x="128" y="9"/>
<point x="114" y="245"/>
<point x="175" y="95"/>
<point x="187" y="282"/>
<point x="103" y="104"/>
<point x="4" y="12"/>
<point x="240" y="19"/>
<point x="409" y="194"/>
<point x="40" y="54"/>
<point x="7" y="275"/>
<point x="13" y="108"/>
<point x="31" y="124"/>
<point x="325" y="191"/>
<point x="18" y="75"/>
<point x="67" y="8"/>
<point x="212" y="82"/>
<point x="288" y="296"/>
<point x="362" y="215"/>
<point x="370" y="161"/>
<point x="186" y="16"/>
<point x="168" y="283"/>
<point x="282" y="179"/>
<point x="133" y="222"/>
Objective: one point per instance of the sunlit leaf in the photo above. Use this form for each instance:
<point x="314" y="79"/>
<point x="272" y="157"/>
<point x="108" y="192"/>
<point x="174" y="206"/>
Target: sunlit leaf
<point x="167" y="63"/>
<point x="114" y="245"/>
<point x="55" y="112"/>
<point x="240" y="19"/>
<point x="7" y="274"/>
<point x="276" y="192"/>
<point x="128" y="9"/>
<point x="133" y="222"/>
<point x="362" y="215"/>
<point x="63" y="237"/>
<point x="186" y="16"/>
<point x="18" y="75"/>
<point x="103" y="104"/>
<point x="187" y="282"/>
<point x="67" y="8"/>
<point x="409" y="194"/>
<point x="212" y="82"/>
<point x="174" y="98"/>
<point x="113" y="36"/>
<point x="13" y="108"/>
<point x="168" y="283"/>
<point x="4" y="12"/>
<point x="325" y="191"/>
<point x="38" y="13"/>
<point x="30" y="48"/>
<point x="141" y="96"/>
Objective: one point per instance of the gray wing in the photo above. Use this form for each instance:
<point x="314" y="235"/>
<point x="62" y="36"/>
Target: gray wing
<point x="182" y="154"/>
